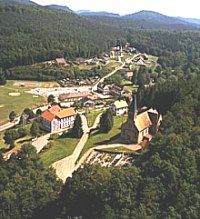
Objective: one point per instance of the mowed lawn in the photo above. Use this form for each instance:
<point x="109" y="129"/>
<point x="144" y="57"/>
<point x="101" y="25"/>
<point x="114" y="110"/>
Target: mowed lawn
<point x="17" y="103"/>
<point x="98" y="138"/>
<point x="60" y="148"/>
<point x="91" y="116"/>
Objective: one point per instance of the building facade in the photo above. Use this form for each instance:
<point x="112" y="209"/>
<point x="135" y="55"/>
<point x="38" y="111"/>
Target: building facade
<point x="56" y="119"/>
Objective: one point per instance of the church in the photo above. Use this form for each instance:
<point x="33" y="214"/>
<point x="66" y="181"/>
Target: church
<point x="141" y="124"/>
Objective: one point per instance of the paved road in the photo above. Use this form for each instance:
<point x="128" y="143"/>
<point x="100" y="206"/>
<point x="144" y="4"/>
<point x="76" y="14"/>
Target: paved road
<point x="16" y="121"/>
<point x="65" y="167"/>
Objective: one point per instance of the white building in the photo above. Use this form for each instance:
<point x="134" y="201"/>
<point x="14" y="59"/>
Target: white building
<point x="119" y="107"/>
<point x="55" y="118"/>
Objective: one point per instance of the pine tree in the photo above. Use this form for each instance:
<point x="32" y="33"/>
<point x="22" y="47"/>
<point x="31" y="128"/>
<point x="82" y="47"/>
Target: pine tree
<point x="77" y="129"/>
<point x="106" y="122"/>
<point x="34" y="129"/>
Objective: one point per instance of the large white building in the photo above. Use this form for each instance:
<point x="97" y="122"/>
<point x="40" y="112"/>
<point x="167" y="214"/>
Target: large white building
<point x="56" y="119"/>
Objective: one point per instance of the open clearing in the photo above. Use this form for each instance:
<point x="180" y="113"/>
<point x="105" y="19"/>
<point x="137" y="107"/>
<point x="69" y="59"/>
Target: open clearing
<point x="14" y="98"/>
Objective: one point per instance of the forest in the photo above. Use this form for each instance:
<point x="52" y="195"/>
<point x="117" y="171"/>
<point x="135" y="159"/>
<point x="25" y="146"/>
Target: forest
<point x="164" y="181"/>
<point x="35" y="34"/>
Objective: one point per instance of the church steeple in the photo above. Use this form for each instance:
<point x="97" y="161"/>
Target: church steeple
<point x="132" y="114"/>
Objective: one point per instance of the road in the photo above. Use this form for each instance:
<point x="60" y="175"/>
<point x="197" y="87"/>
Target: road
<point x="16" y="121"/>
<point x="66" y="166"/>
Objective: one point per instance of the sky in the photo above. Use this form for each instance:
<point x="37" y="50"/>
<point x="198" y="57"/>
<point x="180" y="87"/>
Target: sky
<point x="183" y="8"/>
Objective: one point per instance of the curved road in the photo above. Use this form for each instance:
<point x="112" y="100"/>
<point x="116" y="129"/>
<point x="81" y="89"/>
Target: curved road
<point x="66" y="166"/>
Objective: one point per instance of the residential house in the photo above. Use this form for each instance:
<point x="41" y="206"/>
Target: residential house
<point x="56" y="119"/>
<point x="115" y="90"/>
<point x="119" y="107"/>
<point x="128" y="75"/>
<point x="87" y="102"/>
<point x="140" y="125"/>
<point x="140" y="62"/>
<point x="60" y="62"/>
<point x="7" y="155"/>
<point x="103" y="88"/>
<point x="73" y="97"/>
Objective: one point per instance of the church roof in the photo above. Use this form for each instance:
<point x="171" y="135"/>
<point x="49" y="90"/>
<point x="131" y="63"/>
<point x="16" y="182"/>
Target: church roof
<point x="142" y="121"/>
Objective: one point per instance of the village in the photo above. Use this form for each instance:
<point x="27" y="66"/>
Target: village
<point x="88" y="97"/>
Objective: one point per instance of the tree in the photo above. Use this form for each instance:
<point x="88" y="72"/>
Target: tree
<point x="106" y="121"/>
<point x="2" y="78"/>
<point x="34" y="130"/>
<point x="38" y="112"/>
<point x="50" y="98"/>
<point x="10" y="136"/>
<point x="77" y="129"/>
<point x="12" y="115"/>
<point x="29" y="113"/>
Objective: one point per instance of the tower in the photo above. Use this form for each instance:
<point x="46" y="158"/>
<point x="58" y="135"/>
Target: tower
<point x="132" y="112"/>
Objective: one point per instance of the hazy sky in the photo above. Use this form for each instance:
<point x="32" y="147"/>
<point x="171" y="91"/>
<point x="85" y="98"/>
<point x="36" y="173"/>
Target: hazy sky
<point x="184" y="8"/>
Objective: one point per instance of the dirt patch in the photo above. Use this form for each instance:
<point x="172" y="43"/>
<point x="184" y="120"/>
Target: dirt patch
<point x="16" y="94"/>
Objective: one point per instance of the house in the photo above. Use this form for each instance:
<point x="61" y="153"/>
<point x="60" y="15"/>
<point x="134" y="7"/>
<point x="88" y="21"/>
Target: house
<point x="128" y="65"/>
<point x="119" y="107"/>
<point x="115" y="90"/>
<point x="56" y="119"/>
<point x="140" y="62"/>
<point x="7" y="155"/>
<point x="140" y="125"/>
<point x="128" y="75"/>
<point x="103" y="88"/>
<point x="60" y="62"/>
<point x="87" y="102"/>
<point x="73" y="97"/>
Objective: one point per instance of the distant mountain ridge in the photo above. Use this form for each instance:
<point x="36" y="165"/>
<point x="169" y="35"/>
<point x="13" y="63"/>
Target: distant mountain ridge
<point x="154" y="17"/>
<point x="190" y="20"/>
<point x="60" y="7"/>
<point x="97" y="13"/>
<point x="25" y="2"/>
<point x="142" y="19"/>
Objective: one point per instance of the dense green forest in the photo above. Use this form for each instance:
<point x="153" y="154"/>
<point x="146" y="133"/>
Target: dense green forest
<point x="34" y="34"/>
<point x="165" y="180"/>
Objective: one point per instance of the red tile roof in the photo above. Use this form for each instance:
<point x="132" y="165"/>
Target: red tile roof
<point x="55" y="108"/>
<point x="65" y="113"/>
<point x="48" y="115"/>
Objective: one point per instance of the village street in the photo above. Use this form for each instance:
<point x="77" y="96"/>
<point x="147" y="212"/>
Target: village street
<point x="65" y="167"/>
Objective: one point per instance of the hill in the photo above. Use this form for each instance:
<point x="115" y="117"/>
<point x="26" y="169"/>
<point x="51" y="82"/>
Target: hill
<point x="35" y="34"/>
<point x="60" y="7"/>
<point x="26" y="2"/>
<point x="144" y="20"/>
<point x="98" y="13"/>
<point x="190" y="20"/>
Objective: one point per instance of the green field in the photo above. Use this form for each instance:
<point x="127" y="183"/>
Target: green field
<point x="102" y="138"/>
<point x="16" y="103"/>
<point x="60" y="148"/>
<point x="91" y="116"/>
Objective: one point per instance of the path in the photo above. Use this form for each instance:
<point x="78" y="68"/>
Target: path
<point x="66" y="166"/>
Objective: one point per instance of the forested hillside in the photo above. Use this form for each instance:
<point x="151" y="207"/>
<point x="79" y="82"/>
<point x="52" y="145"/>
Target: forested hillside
<point x="31" y="34"/>
<point x="165" y="180"/>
